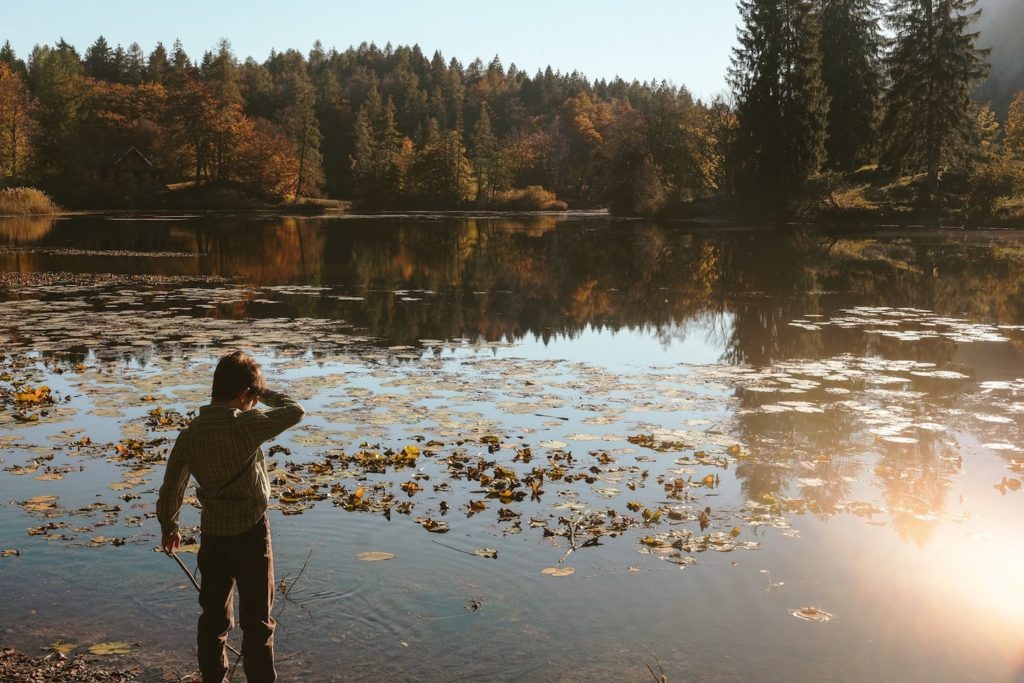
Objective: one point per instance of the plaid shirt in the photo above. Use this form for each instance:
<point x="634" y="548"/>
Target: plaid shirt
<point x="215" y="447"/>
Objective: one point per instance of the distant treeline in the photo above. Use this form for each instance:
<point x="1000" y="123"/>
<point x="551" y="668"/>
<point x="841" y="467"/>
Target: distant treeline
<point x="819" y="88"/>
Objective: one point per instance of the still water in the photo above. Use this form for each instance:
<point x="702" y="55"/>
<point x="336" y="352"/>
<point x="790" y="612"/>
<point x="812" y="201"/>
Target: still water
<point x="591" y="446"/>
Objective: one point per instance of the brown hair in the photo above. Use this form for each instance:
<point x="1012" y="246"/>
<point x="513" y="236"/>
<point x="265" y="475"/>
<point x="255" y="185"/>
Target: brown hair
<point x="236" y="371"/>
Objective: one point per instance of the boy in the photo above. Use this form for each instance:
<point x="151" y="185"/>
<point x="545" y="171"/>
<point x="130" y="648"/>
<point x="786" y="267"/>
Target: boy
<point x="221" y="449"/>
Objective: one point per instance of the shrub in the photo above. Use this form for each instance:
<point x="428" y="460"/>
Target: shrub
<point x="24" y="201"/>
<point x="532" y="198"/>
<point x="990" y="181"/>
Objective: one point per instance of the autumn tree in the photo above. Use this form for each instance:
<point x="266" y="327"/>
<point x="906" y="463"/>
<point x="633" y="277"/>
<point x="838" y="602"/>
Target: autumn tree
<point x="1015" y="127"/>
<point x="16" y="125"/>
<point x="932" y="68"/>
<point x="220" y="73"/>
<point x="296" y="114"/>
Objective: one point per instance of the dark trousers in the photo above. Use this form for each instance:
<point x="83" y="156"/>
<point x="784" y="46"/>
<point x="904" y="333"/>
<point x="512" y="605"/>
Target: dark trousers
<point x="245" y="560"/>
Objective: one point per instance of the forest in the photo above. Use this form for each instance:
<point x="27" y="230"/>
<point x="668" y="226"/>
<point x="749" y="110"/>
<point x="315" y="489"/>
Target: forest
<point x="834" y="105"/>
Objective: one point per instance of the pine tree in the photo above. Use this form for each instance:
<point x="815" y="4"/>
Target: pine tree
<point x="486" y="156"/>
<point x="99" y="61"/>
<point x="781" y="100"/>
<point x="363" y="157"/>
<point x="8" y="57"/>
<point x="851" y="47"/>
<point x="134" y="64"/>
<point x="157" y="65"/>
<point x="389" y="154"/>
<point x="932" y="68"/>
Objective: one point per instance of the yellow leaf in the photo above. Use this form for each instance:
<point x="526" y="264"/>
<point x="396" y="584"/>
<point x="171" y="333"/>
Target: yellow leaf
<point x="375" y="556"/>
<point x="112" y="648"/>
<point x="558" y="571"/>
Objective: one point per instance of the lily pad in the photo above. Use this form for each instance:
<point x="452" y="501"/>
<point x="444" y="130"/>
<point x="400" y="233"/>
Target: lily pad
<point x="375" y="556"/>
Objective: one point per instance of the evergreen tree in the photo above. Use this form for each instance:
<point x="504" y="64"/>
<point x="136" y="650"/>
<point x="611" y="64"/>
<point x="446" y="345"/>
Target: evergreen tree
<point x="220" y="72"/>
<point x="8" y="57"/>
<point x="179" y="59"/>
<point x="364" y="156"/>
<point x="297" y="115"/>
<point x="851" y="47"/>
<point x="389" y="152"/>
<point x="134" y="64"/>
<point x="932" y="68"/>
<point x="99" y="61"/>
<point x="157" y="65"/>
<point x="781" y="102"/>
<point x="486" y="156"/>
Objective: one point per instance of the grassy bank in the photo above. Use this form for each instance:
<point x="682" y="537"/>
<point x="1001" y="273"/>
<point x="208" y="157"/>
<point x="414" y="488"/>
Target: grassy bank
<point x="24" y="201"/>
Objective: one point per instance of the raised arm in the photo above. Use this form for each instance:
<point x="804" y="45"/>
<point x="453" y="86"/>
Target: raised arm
<point x="284" y="412"/>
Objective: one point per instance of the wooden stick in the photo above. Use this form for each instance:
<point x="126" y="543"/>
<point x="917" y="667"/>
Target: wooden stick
<point x="451" y="547"/>
<point x="572" y="537"/>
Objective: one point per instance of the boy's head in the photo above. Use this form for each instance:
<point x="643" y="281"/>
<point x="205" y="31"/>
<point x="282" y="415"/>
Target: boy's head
<point x="236" y="372"/>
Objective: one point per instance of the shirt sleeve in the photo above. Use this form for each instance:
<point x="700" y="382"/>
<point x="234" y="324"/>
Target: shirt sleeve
<point x="263" y="425"/>
<point x="172" y="491"/>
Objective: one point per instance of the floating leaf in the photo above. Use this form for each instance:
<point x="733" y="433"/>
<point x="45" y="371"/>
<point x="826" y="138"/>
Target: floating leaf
<point x="558" y="571"/>
<point x="811" y="614"/>
<point x="40" y="503"/>
<point x="11" y="552"/>
<point x="375" y="556"/>
<point x="111" y="648"/>
<point x="486" y="552"/>
<point x="60" y="646"/>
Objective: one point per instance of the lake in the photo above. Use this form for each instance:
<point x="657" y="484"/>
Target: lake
<point x="592" y="446"/>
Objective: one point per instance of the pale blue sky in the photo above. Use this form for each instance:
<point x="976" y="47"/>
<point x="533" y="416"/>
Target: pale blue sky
<point x="685" y="41"/>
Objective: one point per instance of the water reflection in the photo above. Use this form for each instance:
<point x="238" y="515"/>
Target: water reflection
<point x="406" y="279"/>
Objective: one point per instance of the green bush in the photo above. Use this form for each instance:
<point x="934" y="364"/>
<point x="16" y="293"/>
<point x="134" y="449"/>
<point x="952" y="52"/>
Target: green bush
<point x="20" y="201"/>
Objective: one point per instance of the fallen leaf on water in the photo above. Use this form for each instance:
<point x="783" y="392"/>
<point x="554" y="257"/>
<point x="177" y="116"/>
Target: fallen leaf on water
<point x="111" y="648"/>
<point x="486" y="552"/>
<point x="558" y="571"/>
<point x="434" y="526"/>
<point x="11" y="552"/>
<point x="375" y="556"/>
<point x="811" y="614"/>
<point x="40" y="503"/>
<point x="60" y="646"/>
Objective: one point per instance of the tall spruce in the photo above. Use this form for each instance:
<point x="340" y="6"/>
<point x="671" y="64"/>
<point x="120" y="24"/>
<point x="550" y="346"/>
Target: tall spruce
<point x="781" y="103"/>
<point x="851" y="68"/>
<point x="932" y="67"/>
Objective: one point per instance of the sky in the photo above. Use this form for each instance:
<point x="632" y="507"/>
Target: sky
<point x="687" y="42"/>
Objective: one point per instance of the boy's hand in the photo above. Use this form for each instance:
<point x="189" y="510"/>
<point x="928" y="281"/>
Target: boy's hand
<point x="171" y="541"/>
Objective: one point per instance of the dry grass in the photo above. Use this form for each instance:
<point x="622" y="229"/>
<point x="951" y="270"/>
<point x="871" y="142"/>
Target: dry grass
<point x="22" y="201"/>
